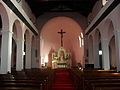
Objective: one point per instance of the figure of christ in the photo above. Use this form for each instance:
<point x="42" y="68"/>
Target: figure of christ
<point x="61" y="32"/>
<point x="62" y="57"/>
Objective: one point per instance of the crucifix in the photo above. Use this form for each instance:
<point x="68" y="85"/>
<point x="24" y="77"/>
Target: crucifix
<point x="61" y="32"/>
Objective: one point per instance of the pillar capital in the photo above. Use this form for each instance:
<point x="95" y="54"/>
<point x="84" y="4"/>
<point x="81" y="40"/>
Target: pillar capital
<point x="6" y="31"/>
<point x="117" y="31"/>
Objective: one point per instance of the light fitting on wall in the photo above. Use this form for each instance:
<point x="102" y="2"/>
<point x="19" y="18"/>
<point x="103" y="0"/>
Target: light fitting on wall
<point x="100" y="52"/>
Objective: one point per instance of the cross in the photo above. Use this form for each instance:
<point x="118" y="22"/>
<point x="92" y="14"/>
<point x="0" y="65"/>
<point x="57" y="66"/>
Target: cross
<point x="61" y="32"/>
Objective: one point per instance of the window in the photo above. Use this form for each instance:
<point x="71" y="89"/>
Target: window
<point x="81" y="41"/>
<point x="104" y="2"/>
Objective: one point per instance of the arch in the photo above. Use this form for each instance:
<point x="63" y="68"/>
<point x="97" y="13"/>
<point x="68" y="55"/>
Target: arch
<point x="110" y="30"/>
<point x="15" y="40"/>
<point x="112" y="53"/>
<point x="17" y="31"/>
<point x="48" y="16"/>
<point x="49" y="34"/>
<point x="108" y="33"/>
<point x="27" y="49"/>
<point x="62" y="18"/>
<point x="111" y="42"/>
<point x="4" y="17"/>
<point x="98" y="49"/>
<point x="112" y="46"/>
<point x="107" y="24"/>
<point x="18" y="28"/>
<point x="90" y="50"/>
<point x="98" y="35"/>
<point x="19" y="38"/>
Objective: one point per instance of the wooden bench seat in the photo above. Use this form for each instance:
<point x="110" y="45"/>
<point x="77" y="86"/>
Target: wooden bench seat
<point x="21" y="84"/>
<point x="101" y="80"/>
<point x="91" y="84"/>
<point x="96" y="79"/>
<point x="20" y="88"/>
<point x="6" y="77"/>
<point x="104" y="86"/>
<point x="32" y="79"/>
<point x="18" y="75"/>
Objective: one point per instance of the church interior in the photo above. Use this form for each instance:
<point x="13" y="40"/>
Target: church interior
<point x="59" y="44"/>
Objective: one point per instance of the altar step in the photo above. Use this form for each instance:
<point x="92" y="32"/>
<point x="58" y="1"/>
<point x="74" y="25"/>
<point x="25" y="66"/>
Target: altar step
<point x="62" y="80"/>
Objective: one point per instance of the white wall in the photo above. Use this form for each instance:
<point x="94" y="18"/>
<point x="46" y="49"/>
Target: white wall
<point x="96" y="8"/>
<point x="27" y="10"/>
<point x="108" y="27"/>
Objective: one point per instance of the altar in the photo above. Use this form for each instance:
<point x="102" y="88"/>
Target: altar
<point x="61" y="58"/>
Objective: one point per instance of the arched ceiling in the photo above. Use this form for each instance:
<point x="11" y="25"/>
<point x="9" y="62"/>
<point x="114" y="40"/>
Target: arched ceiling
<point x="39" y="7"/>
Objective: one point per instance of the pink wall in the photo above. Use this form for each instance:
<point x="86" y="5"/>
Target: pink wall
<point x="51" y="39"/>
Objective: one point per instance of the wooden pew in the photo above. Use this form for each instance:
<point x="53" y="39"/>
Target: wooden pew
<point x="20" y="81"/>
<point x="20" y="85"/>
<point x="101" y="83"/>
<point x="8" y="83"/>
<point x="101" y="80"/>
<point x="77" y="78"/>
<point x="44" y="75"/>
<point x="96" y="79"/>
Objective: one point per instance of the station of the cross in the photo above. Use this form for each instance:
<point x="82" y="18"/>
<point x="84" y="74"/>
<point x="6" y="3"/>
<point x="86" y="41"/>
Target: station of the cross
<point x="61" y="58"/>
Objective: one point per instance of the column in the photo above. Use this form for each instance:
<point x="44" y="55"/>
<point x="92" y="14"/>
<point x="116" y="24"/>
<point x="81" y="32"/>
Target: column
<point x="34" y="53"/>
<point x="105" y="54"/>
<point x="96" y="53"/>
<point x="6" y="50"/>
<point x="28" y="54"/>
<point x="20" y="50"/>
<point x="117" y="43"/>
<point x="33" y="58"/>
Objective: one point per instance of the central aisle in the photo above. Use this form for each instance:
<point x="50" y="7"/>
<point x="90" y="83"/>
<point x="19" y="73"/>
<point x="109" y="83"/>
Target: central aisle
<point x="62" y="80"/>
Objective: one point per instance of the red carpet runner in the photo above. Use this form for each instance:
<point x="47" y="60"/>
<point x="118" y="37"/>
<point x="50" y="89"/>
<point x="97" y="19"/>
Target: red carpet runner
<point x="62" y="80"/>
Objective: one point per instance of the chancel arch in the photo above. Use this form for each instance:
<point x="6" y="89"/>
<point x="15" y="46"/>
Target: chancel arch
<point x="52" y="39"/>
